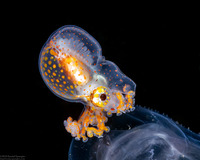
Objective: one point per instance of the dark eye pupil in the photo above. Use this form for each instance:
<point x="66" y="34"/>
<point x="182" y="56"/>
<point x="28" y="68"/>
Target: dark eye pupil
<point x="103" y="97"/>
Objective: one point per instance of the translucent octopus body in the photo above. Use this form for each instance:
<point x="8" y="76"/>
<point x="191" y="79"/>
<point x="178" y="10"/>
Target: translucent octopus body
<point x="73" y="68"/>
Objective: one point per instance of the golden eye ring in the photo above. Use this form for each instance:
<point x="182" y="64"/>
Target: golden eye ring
<point x="100" y="97"/>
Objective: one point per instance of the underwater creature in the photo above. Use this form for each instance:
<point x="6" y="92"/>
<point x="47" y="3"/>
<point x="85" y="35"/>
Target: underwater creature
<point x="72" y="66"/>
<point x="140" y="135"/>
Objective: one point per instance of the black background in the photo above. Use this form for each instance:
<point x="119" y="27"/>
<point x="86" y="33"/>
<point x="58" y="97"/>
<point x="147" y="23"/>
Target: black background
<point x="159" y="52"/>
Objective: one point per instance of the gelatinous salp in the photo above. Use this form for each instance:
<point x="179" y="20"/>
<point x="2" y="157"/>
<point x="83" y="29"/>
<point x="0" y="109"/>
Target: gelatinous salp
<point x="140" y="135"/>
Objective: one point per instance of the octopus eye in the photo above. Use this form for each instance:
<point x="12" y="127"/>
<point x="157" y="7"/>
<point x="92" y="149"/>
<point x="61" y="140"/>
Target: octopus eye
<point x="100" y="96"/>
<point x="103" y="97"/>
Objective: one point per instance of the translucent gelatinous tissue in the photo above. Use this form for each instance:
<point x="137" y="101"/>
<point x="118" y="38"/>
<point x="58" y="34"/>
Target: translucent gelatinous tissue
<point x="72" y="66"/>
<point x="140" y="135"/>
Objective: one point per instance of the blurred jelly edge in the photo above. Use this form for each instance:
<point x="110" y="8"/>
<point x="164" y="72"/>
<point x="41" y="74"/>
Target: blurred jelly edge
<point x="140" y="135"/>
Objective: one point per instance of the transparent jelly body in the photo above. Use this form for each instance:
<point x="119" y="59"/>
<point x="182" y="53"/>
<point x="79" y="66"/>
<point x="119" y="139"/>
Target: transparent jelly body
<point x="140" y="135"/>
